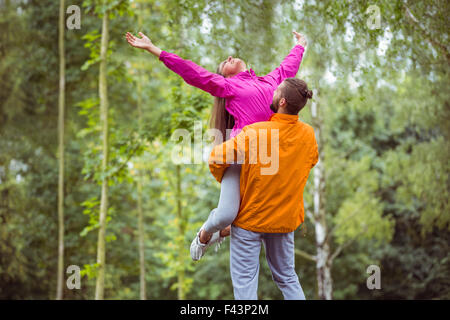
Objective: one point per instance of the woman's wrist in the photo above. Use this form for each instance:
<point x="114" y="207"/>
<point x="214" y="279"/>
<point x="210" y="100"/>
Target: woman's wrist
<point x="154" y="50"/>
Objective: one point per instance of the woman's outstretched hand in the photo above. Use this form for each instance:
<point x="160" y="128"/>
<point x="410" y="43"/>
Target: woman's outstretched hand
<point x="143" y="43"/>
<point x="301" y="39"/>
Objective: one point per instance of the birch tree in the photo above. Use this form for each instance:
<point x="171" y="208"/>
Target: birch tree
<point x="103" y="94"/>
<point x="139" y="183"/>
<point x="62" y="82"/>
<point x="323" y="261"/>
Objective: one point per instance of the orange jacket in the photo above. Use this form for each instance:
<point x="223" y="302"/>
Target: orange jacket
<point x="276" y="157"/>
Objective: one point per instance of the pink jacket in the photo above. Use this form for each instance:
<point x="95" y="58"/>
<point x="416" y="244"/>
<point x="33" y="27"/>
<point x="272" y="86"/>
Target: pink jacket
<point x="248" y="97"/>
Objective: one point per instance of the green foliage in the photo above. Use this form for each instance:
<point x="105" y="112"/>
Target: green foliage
<point x="114" y="7"/>
<point x="420" y="182"/>
<point x="91" y="209"/>
<point x="385" y="143"/>
<point x="89" y="270"/>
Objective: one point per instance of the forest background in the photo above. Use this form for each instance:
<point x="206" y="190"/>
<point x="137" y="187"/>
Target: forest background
<point x="87" y="176"/>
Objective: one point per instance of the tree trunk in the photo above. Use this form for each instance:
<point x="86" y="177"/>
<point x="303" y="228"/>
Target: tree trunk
<point x="62" y="84"/>
<point x="141" y="239"/>
<point x="181" y="248"/>
<point x="103" y="92"/>
<point x="140" y="213"/>
<point x="139" y="184"/>
<point x="323" y="261"/>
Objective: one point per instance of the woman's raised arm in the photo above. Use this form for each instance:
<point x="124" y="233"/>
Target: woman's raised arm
<point x="143" y="43"/>
<point x="192" y="73"/>
<point x="291" y="63"/>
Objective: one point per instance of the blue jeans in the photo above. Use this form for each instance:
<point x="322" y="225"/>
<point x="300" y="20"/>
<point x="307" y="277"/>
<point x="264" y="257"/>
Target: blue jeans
<point x="245" y="247"/>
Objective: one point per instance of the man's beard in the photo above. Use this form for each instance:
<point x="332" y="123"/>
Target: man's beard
<point x="274" y="106"/>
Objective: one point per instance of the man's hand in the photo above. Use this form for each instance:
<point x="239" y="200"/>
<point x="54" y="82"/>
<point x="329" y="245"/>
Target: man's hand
<point x="301" y="39"/>
<point x="225" y="232"/>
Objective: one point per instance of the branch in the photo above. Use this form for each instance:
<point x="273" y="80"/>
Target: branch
<point x="428" y="37"/>
<point x="310" y="216"/>
<point x="308" y="212"/>
<point x="346" y="244"/>
<point x="305" y="255"/>
<point x="130" y="155"/>
<point x="351" y="216"/>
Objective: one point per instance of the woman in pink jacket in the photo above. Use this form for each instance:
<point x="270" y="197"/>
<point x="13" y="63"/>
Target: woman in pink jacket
<point x="240" y="98"/>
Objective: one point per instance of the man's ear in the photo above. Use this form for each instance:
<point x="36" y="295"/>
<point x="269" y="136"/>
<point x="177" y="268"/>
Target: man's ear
<point x="282" y="102"/>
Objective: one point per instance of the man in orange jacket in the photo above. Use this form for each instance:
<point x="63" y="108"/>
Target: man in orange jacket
<point x="276" y="157"/>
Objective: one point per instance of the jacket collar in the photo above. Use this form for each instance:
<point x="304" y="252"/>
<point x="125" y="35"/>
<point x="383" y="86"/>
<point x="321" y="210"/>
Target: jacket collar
<point x="249" y="73"/>
<point x="282" y="117"/>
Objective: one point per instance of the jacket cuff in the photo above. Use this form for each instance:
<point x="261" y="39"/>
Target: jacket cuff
<point x="300" y="46"/>
<point x="162" y="55"/>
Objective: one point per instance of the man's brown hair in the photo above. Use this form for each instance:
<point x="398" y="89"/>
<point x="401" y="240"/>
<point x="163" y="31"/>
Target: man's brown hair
<point x="296" y="94"/>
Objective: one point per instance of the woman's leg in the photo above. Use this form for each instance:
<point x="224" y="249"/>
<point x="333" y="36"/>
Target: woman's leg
<point x="230" y="198"/>
<point x="220" y="217"/>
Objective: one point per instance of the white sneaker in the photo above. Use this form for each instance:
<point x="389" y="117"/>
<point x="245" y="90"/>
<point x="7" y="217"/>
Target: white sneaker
<point x="198" y="249"/>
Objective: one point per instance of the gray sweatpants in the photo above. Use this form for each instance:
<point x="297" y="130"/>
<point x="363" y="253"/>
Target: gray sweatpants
<point x="229" y="201"/>
<point x="245" y="247"/>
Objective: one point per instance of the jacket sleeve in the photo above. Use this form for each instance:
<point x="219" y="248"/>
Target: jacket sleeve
<point x="223" y="155"/>
<point x="196" y="76"/>
<point x="288" y="68"/>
